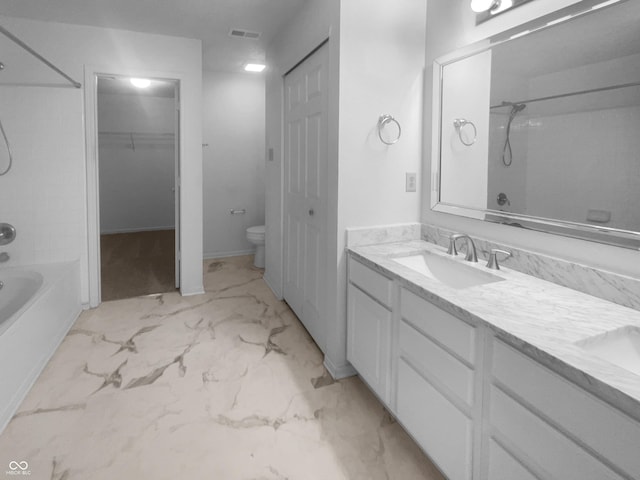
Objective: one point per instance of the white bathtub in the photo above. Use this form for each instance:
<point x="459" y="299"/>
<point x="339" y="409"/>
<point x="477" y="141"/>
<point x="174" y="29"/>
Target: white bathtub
<point x="38" y="306"/>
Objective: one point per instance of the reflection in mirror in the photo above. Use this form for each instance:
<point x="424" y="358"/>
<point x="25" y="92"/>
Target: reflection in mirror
<point x="557" y="113"/>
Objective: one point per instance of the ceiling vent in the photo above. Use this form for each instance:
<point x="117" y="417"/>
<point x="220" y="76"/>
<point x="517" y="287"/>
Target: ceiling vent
<point x="239" y="33"/>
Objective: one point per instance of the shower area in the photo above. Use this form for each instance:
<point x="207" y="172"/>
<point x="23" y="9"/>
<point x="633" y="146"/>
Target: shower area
<point x="557" y="131"/>
<point x="41" y="197"/>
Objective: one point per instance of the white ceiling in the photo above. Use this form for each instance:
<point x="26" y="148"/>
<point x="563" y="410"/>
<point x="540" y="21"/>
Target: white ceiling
<point x="207" y="20"/>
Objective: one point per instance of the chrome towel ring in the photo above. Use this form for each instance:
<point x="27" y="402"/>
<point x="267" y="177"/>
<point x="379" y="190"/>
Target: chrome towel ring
<point x="384" y="120"/>
<point x="459" y="124"/>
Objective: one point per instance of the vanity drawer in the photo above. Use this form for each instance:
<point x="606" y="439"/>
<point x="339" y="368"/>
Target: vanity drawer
<point x="450" y="374"/>
<point x="503" y="466"/>
<point x="454" y="335"/>
<point x="547" y="451"/>
<point x="444" y="432"/>
<point x="604" y="429"/>
<point x="376" y="285"/>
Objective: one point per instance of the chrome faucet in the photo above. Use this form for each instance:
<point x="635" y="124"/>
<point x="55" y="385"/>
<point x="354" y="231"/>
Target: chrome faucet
<point x="493" y="258"/>
<point x="471" y="255"/>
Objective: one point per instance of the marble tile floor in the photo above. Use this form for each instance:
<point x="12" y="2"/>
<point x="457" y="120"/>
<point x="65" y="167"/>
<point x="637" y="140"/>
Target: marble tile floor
<point x="226" y="385"/>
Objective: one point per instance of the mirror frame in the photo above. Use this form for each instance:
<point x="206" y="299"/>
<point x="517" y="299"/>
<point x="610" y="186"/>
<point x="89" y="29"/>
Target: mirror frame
<point x="595" y="233"/>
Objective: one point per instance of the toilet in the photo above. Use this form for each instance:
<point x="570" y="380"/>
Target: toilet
<point x="255" y="235"/>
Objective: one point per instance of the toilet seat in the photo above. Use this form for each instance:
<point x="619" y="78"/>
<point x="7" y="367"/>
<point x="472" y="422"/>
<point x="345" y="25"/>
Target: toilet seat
<point x="258" y="230"/>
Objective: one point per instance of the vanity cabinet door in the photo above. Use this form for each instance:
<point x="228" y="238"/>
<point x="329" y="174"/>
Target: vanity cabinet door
<point x="553" y="428"/>
<point x="368" y="340"/>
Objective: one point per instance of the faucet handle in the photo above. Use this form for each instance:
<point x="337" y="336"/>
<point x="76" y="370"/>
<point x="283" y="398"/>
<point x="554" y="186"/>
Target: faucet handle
<point x="452" y="250"/>
<point x="493" y="258"/>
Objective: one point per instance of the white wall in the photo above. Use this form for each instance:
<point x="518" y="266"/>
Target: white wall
<point x="137" y="172"/>
<point x="376" y="58"/>
<point x="450" y="25"/>
<point x="234" y="160"/>
<point x="45" y="195"/>
<point x="381" y="71"/>
<point x="463" y="170"/>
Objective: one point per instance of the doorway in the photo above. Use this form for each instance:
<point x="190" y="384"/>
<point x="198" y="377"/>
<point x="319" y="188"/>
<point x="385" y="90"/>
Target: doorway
<point x="138" y="160"/>
<point x="305" y="190"/>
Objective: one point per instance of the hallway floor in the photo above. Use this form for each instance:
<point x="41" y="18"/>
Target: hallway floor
<point x="226" y="385"/>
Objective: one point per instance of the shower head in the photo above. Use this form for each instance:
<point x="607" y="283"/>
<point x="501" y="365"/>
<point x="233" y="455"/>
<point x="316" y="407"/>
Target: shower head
<point x="518" y="107"/>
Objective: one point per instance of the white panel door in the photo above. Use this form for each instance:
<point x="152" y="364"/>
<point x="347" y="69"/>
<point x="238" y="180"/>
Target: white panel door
<point x="305" y="190"/>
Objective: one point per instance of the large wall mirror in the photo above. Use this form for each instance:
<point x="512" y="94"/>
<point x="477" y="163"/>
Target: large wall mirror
<point x="541" y="130"/>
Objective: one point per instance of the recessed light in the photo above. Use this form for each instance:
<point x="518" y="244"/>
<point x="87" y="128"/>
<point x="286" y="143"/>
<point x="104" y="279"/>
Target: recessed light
<point x="140" y="82"/>
<point x="254" y="67"/>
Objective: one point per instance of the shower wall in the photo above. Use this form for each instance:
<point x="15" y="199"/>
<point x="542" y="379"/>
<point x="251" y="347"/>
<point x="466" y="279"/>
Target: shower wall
<point x="45" y="195"/>
<point x="42" y="195"/>
<point x="573" y="143"/>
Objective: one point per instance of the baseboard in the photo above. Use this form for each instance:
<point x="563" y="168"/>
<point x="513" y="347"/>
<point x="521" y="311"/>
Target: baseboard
<point x="271" y="284"/>
<point x="339" y="371"/>
<point x="237" y="253"/>
<point x="135" y="230"/>
<point x="191" y="294"/>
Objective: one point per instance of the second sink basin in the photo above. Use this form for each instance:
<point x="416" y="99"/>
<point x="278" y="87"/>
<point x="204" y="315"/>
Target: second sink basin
<point x="620" y="347"/>
<point x="447" y="271"/>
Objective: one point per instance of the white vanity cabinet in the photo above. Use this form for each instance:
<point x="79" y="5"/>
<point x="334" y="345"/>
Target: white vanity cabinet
<point x="541" y="426"/>
<point x="436" y="380"/>
<point x="479" y="407"/>
<point x="369" y="327"/>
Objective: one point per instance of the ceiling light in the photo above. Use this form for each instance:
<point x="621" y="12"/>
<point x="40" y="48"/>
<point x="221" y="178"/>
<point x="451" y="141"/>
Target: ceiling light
<point x="140" y="82"/>
<point x="254" y="67"/>
<point x="501" y="6"/>
<point x="480" y="6"/>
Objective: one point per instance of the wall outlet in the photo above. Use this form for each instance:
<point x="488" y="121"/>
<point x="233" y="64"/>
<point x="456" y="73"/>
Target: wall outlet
<point x="411" y="180"/>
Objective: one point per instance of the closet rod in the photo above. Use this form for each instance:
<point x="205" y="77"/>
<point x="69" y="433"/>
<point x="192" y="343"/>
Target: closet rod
<point x="19" y="42"/>
<point x="570" y="94"/>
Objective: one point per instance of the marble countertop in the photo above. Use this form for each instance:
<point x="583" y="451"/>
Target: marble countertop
<point x="541" y="318"/>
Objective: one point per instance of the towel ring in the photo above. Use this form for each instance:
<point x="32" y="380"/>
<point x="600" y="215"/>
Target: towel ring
<point x="382" y="121"/>
<point x="460" y="123"/>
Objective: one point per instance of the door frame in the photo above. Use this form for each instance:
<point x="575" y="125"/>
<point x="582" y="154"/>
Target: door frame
<point x="91" y="74"/>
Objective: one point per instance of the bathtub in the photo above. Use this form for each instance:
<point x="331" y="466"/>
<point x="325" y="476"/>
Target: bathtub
<point x="38" y="306"/>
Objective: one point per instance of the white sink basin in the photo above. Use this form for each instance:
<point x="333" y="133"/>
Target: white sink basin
<point x="447" y="271"/>
<point x="620" y="347"/>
